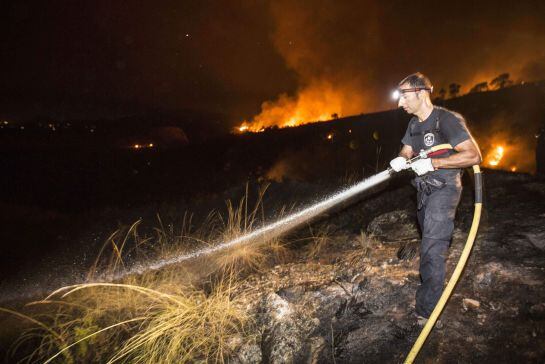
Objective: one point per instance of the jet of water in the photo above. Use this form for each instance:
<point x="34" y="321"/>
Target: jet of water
<point x="271" y="230"/>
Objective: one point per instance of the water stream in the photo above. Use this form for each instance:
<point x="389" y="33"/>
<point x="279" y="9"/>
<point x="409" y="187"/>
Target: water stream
<point x="271" y="230"/>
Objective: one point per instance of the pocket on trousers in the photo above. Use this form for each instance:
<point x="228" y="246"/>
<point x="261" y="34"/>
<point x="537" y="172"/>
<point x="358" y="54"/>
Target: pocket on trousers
<point x="439" y="223"/>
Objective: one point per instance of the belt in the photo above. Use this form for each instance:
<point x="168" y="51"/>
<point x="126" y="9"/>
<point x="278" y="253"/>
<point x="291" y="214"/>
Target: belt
<point x="426" y="185"/>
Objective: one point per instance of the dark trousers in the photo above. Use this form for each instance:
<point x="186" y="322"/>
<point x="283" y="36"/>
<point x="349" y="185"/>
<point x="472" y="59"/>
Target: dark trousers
<point x="436" y="219"/>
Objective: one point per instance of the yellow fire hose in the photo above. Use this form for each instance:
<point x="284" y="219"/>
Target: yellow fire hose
<point x="461" y="263"/>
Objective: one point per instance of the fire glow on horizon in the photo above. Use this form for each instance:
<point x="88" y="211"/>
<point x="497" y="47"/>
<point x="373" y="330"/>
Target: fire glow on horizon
<point x="316" y="102"/>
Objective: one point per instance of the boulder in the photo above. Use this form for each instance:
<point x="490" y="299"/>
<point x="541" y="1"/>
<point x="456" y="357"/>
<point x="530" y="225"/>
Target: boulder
<point x="394" y="226"/>
<point x="286" y="330"/>
<point x="248" y="353"/>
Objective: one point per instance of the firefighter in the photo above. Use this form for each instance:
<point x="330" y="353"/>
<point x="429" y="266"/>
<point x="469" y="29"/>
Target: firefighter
<point x="438" y="180"/>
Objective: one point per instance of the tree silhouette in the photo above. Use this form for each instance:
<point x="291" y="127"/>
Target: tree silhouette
<point x="480" y="87"/>
<point x="454" y="89"/>
<point x="501" y="81"/>
<point x="440" y="96"/>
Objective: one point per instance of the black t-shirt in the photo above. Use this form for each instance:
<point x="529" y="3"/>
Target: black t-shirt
<point x="452" y="128"/>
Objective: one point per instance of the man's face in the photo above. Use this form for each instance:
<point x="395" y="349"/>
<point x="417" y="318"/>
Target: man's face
<point x="409" y="99"/>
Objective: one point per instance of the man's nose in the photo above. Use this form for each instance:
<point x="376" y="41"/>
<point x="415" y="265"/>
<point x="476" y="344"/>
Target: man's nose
<point x="400" y="102"/>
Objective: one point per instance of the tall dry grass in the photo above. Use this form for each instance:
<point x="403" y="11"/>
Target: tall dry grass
<point x="123" y="322"/>
<point x="366" y="244"/>
<point x="181" y="313"/>
<point x="240" y="220"/>
<point x="319" y="238"/>
<point x="150" y="318"/>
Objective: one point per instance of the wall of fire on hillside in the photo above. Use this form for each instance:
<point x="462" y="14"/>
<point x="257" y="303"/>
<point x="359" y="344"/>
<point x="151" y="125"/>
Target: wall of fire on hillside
<point x="506" y="124"/>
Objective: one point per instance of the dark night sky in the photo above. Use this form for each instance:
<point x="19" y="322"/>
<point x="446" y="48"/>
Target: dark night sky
<point x="230" y="56"/>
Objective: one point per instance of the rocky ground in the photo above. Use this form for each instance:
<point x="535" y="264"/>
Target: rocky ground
<point x="350" y="297"/>
<point x="347" y="296"/>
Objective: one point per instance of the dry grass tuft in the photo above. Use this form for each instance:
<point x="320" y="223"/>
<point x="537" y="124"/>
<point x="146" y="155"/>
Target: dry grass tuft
<point x="110" y="322"/>
<point x="188" y="328"/>
<point x="251" y="255"/>
<point x="156" y="316"/>
<point x="366" y="245"/>
<point x="126" y="245"/>
<point x="320" y="237"/>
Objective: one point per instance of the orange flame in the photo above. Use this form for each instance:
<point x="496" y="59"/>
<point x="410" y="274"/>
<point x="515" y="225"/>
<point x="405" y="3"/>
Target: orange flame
<point x="507" y="151"/>
<point x="495" y="156"/>
<point x="320" y="101"/>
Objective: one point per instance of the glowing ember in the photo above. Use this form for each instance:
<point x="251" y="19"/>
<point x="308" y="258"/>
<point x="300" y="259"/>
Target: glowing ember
<point x="142" y="146"/>
<point x="495" y="156"/>
<point x="330" y="136"/>
<point x="513" y="169"/>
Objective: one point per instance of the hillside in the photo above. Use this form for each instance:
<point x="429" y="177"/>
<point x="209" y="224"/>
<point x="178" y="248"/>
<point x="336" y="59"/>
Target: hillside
<point x="351" y="303"/>
<point x="347" y="295"/>
<point x="340" y="289"/>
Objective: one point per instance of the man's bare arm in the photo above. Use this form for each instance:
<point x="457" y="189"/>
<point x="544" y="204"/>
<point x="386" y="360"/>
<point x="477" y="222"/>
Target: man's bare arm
<point x="467" y="156"/>
<point x="406" y="152"/>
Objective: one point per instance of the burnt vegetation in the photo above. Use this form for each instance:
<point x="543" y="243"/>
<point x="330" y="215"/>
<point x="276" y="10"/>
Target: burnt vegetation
<point x="338" y="290"/>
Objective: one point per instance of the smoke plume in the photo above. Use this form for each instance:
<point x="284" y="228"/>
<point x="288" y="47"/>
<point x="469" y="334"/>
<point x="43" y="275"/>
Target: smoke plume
<point x="347" y="56"/>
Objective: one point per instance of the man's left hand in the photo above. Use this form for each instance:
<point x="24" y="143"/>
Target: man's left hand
<point x="422" y="166"/>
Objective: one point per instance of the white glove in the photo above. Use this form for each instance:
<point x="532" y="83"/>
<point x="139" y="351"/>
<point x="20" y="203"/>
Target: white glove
<point x="422" y="166"/>
<point x="399" y="164"/>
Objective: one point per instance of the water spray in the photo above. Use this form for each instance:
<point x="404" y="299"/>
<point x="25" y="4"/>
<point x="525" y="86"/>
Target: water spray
<point x="281" y="226"/>
<point x="273" y="229"/>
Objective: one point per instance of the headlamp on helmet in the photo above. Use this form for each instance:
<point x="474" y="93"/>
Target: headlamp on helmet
<point x="397" y="93"/>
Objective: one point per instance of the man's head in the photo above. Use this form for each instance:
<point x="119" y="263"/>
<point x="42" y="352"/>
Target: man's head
<point x="414" y="92"/>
